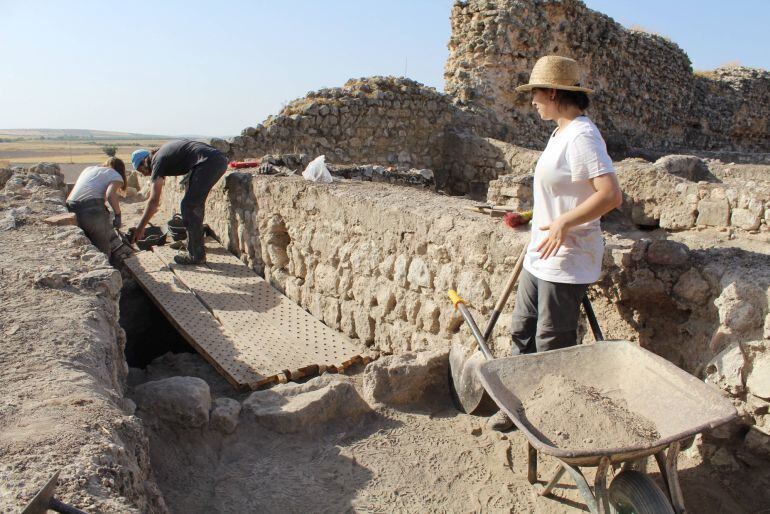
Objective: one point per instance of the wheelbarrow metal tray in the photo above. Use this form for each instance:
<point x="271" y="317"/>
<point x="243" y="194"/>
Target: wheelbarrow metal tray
<point x="678" y="403"/>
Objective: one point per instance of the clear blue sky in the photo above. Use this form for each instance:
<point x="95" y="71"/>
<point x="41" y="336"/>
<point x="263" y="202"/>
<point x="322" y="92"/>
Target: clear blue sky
<point x="212" y="68"/>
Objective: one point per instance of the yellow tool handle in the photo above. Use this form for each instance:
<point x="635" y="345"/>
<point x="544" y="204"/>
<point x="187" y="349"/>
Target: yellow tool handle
<point x="454" y="297"/>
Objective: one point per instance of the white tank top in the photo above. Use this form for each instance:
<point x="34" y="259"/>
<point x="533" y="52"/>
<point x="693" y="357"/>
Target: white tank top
<point x="92" y="183"/>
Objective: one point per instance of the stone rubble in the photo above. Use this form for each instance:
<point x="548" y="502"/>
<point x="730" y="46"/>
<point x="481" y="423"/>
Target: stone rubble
<point x="306" y="407"/>
<point x="408" y="379"/>
<point x="185" y="401"/>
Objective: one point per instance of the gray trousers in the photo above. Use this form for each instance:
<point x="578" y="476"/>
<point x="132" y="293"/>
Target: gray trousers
<point x="546" y="314"/>
<point x="203" y="176"/>
<point x="94" y="218"/>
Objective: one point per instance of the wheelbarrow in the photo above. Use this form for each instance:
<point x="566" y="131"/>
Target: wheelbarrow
<point x="679" y="404"/>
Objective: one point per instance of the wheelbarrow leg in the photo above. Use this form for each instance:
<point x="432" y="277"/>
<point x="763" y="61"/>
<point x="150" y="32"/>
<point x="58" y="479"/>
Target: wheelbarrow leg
<point x="531" y="464"/>
<point x="667" y="463"/>
<point x="583" y="487"/>
<point x="600" y="486"/>
<point x="558" y="472"/>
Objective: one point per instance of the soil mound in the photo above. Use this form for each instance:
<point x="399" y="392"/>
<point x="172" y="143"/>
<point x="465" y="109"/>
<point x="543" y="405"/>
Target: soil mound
<point x="579" y="417"/>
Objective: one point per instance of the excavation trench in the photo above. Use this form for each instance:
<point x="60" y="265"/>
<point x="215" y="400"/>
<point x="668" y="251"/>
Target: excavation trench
<point x="384" y="437"/>
<point x="360" y="441"/>
<point x="330" y="444"/>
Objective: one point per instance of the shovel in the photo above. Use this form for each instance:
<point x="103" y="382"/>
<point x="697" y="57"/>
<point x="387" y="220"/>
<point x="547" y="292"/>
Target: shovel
<point x="467" y="391"/>
<point x="44" y="500"/>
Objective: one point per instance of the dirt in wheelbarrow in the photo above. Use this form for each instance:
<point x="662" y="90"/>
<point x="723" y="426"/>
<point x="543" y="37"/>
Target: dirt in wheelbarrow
<point x="574" y="416"/>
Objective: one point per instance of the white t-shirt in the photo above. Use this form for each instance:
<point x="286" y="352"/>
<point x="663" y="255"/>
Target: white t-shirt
<point x="573" y="155"/>
<point x="92" y="183"/>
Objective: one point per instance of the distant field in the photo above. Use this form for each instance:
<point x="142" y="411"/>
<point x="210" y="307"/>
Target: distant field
<point x="27" y="151"/>
<point x="73" y="156"/>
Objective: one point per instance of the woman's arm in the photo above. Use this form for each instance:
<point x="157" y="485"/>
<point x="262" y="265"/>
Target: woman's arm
<point x="112" y="196"/>
<point x="112" y="199"/>
<point x="607" y="196"/>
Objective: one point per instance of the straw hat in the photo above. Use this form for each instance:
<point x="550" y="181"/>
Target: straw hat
<point x="555" y="72"/>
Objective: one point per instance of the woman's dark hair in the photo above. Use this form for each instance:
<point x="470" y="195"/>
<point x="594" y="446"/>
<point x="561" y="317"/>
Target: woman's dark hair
<point x="577" y="98"/>
<point x="119" y="166"/>
<point x="563" y="97"/>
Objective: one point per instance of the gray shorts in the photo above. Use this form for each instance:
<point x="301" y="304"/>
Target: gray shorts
<point x="546" y="314"/>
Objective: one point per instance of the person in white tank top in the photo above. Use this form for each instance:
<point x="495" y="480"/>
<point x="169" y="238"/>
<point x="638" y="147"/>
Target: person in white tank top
<point x="575" y="184"/>
<point x="94" y="186"/>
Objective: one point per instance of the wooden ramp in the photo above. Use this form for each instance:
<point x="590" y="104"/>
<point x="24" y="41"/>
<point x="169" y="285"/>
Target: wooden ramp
<point x="250" y="332"/>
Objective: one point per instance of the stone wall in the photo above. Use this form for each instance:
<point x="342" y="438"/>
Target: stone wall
<point x="676" y="192"/>
<point x="385" y="121"/>
<point x="647" y="94"/>
<point x="61" y="391"/>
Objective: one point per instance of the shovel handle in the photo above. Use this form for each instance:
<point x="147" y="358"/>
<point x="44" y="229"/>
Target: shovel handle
<point x="454" y="298"/>
<point x="459" y="304"/>
<point x="505" y="294"/>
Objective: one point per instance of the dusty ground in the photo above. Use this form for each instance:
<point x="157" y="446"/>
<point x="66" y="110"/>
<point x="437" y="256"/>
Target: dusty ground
<point x="433" y="459"/>
<point x="61" y="406"/>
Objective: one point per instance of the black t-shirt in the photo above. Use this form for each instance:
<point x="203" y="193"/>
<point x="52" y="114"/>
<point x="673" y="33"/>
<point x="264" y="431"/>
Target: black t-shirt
<point x="178" y="157"/>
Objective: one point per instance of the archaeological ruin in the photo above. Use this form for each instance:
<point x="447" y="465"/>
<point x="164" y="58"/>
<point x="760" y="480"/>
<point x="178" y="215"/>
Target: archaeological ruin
<point x="100" y="386"/>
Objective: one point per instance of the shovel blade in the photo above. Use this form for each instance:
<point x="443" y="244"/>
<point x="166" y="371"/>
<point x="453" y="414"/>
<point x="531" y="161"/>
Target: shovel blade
<point x="468" y="393"/>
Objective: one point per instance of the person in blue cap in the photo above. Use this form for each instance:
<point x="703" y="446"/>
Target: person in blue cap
<point x="205" y="164"/>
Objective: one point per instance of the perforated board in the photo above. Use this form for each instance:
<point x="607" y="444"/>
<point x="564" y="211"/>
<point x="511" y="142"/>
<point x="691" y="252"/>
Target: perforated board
<point x="260" y="328"/>
<point x="321" y="344"/>
<point x="196" y="324"/>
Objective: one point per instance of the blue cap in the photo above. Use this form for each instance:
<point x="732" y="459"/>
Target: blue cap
<point x="138" y="156"/>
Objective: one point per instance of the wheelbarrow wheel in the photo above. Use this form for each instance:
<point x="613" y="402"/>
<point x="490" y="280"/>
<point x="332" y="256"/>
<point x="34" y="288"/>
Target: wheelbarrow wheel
<point x="632" y="492"/>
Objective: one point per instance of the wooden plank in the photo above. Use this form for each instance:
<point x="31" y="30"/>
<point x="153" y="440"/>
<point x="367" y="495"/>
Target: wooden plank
<point x="194" y="321"/>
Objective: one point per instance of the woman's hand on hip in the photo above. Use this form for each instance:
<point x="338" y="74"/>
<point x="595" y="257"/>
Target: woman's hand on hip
<point x="557" y="234"/>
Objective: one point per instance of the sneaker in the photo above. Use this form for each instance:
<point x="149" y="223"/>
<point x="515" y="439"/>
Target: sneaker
<point x="185" y="258"/>
<point x="499" y="422"/>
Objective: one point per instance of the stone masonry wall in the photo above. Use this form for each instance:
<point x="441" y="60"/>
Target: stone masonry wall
<point x="676" y="192"/>
<point x="647" y="95"/>
<point x="377" y="120"/>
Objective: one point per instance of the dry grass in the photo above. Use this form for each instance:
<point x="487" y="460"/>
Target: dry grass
<point x="32" y="151"/>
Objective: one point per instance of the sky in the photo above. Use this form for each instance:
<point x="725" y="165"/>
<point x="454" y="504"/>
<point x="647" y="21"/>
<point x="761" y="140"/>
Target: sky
<point x="177" y="67"/>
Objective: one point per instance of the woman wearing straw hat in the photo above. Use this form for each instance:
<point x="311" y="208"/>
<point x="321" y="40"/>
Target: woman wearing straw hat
<point x="574" y="186"/>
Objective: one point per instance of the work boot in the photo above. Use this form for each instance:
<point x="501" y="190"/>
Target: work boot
<point x="186" y="259"/>
<point x="178" y="245"/>
<point x="499" y="422"/>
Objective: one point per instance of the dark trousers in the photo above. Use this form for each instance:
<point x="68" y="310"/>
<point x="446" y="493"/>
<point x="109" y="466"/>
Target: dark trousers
<point x="546" y="314"/>
<point x="203" y="176"/>
<point x="94" y="218"/>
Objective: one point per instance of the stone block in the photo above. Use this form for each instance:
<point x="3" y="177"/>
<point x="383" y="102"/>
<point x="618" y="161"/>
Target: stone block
<point x="757" y="441"/>
<point x="61" y="220"/>
<point x="713" y="213"/>
<point x="667" y="253"/>
<point x="224" y="415"/>
<point x="692" y="287"/>
<point x="726" y="370"/>
<point x="292" y="408"/>
<point x="412" y="378"/>
<point x="419" y="274"/>
<point x="758" y="371"/>
<point x="744" y="219"/>
<point x="184" y="401"/>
